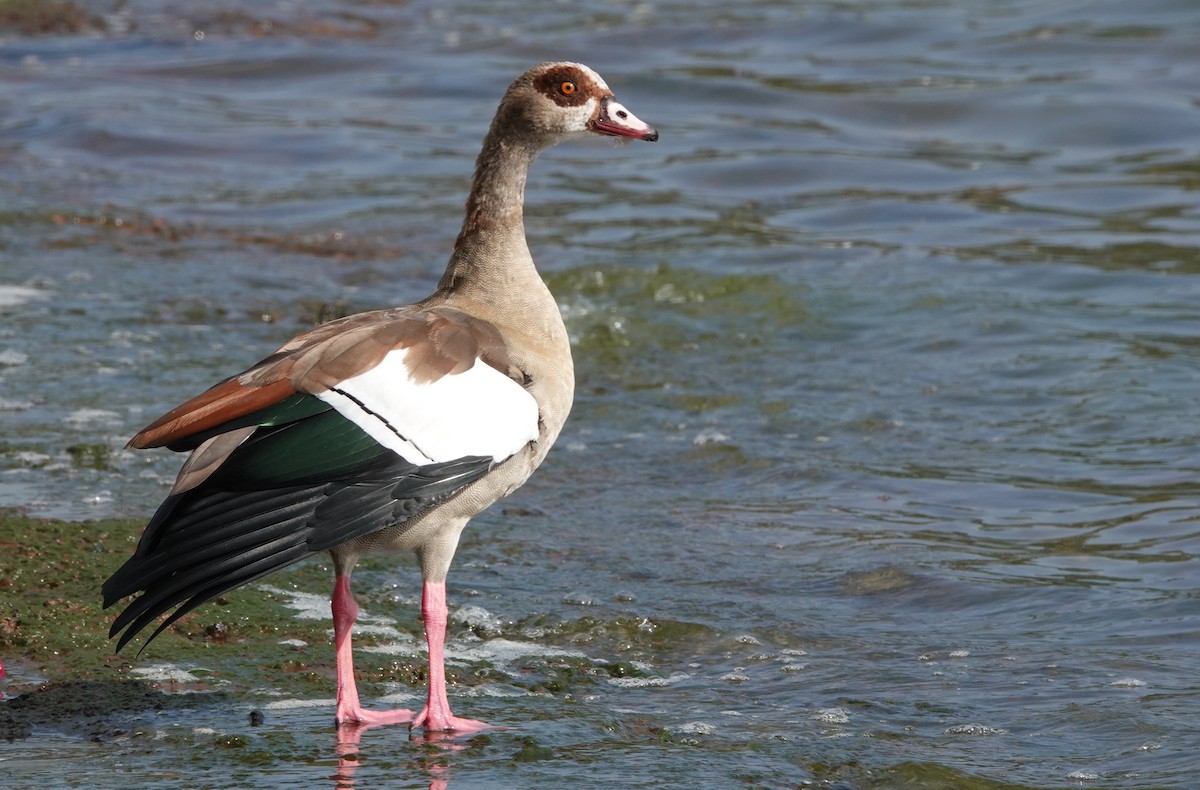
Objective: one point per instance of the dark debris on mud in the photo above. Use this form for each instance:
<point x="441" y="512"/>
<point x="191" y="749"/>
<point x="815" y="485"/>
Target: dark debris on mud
<point x="48" y="18"/>
<point x="95" y="709"/>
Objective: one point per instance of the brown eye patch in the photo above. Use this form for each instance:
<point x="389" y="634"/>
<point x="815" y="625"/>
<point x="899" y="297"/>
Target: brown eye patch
<point x="565" y="86"/>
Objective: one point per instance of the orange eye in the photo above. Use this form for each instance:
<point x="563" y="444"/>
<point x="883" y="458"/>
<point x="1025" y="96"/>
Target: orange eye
<point x="567" y="88"/>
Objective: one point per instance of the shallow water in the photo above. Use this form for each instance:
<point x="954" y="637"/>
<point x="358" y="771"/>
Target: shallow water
<point x="882" y="469"/>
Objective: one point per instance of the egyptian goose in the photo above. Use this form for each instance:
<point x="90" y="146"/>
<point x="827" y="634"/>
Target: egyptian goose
<point x="386" y="430"/>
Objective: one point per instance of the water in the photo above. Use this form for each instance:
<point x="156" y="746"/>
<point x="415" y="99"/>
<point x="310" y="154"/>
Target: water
<point x="882" y="469"/>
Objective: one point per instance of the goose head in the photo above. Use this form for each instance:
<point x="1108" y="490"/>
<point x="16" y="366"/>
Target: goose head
<point x="555" y="101"/>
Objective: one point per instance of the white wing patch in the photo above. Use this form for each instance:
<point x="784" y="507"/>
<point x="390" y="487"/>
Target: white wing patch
<point x="480" y="411"/>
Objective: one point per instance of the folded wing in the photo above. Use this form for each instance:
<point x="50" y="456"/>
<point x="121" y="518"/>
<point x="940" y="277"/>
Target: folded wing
<point x="359" y="425"/>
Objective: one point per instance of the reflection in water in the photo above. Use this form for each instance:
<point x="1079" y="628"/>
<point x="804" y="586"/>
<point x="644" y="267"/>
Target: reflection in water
<point x="432" y="761"/>
<point x="347" y="750"/>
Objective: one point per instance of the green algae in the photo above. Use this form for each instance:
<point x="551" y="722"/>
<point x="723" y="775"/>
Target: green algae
<point x="930" y="776"/>
<point x="90" y="456"/>
<point x="531" y="751"/>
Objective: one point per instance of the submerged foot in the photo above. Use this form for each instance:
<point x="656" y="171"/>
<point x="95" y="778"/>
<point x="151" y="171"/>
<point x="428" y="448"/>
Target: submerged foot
<point x="360" y="717"/>
<point x="446" y="722"/>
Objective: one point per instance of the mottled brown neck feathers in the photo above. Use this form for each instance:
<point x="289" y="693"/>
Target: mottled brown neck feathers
<point x="493" y="231"/>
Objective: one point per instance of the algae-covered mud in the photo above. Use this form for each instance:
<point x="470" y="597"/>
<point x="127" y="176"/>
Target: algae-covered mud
<point x="882" y="469"/>
<point x="63" y="675"/>
<point x="53" y="626"/>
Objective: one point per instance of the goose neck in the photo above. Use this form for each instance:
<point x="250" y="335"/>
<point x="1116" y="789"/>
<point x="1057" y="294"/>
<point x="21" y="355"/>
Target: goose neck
<point x="497" y="195"/>
<point x="492" y="243"/>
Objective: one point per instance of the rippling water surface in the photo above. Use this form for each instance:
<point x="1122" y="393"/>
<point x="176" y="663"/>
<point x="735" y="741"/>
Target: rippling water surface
<point x="883" y="465"/>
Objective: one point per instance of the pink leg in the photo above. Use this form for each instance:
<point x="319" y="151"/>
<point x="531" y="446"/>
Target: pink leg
<point x="436" y="715"/>
<point x="345" y="611"/>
